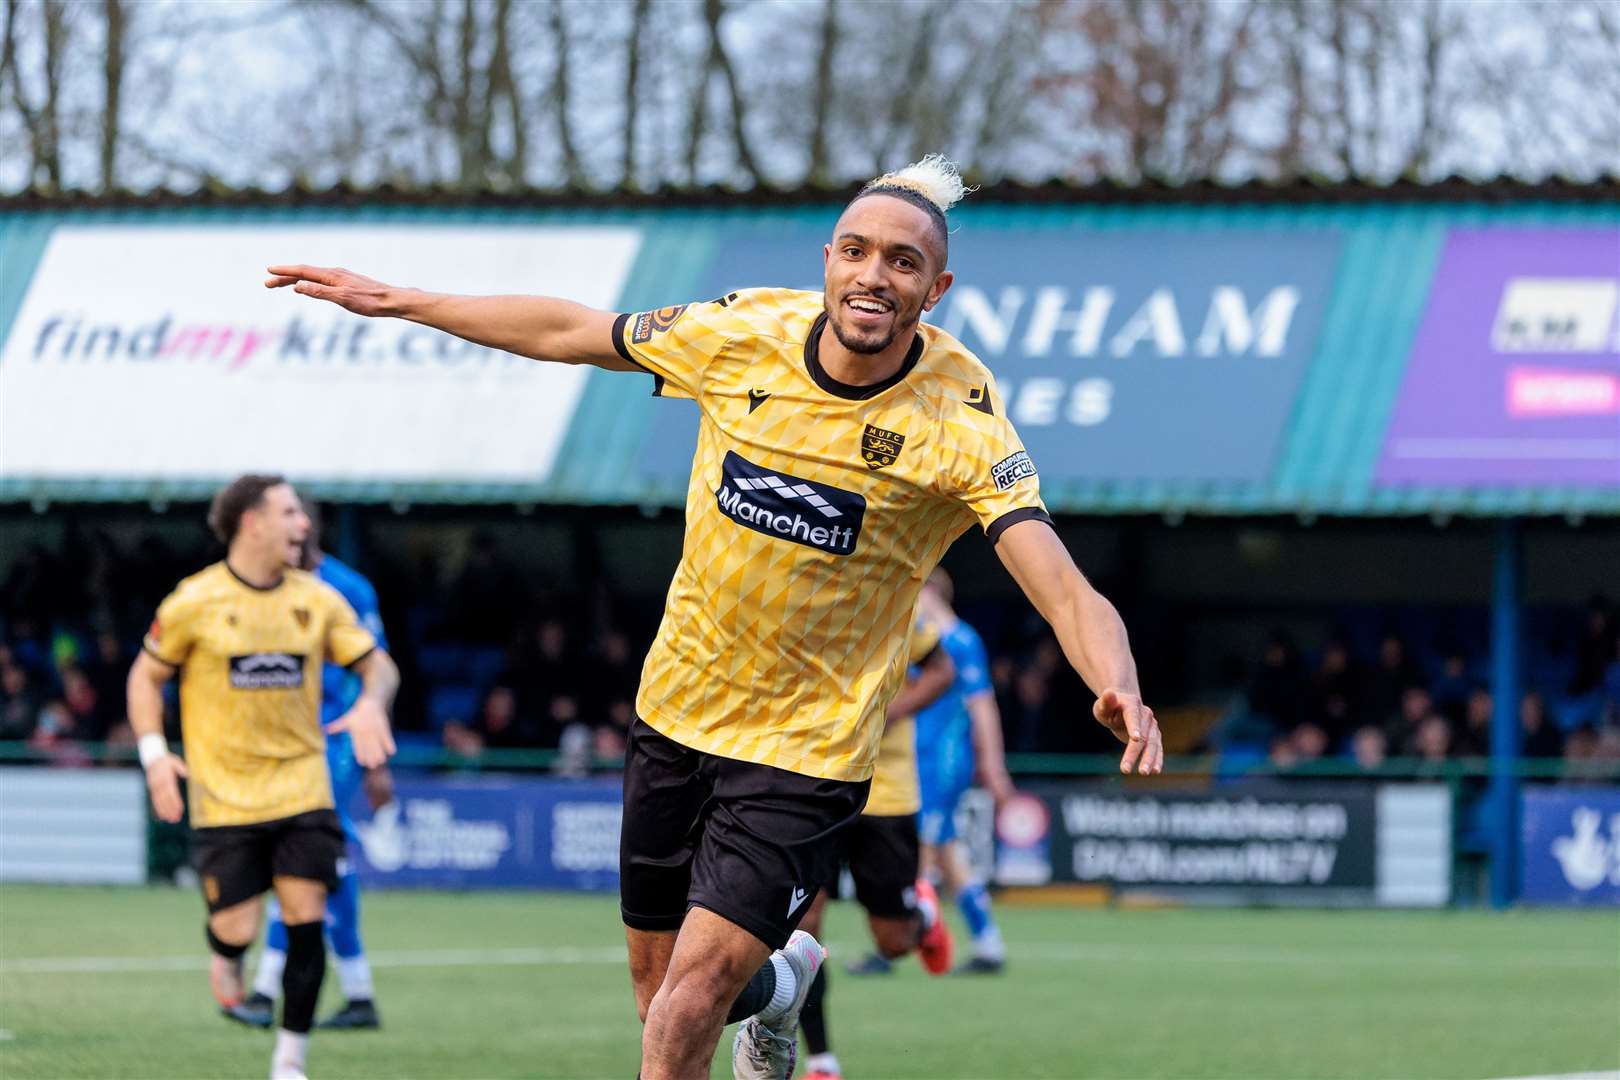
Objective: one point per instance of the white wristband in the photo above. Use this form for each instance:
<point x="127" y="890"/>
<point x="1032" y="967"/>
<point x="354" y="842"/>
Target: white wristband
<point x="152" y="748"/>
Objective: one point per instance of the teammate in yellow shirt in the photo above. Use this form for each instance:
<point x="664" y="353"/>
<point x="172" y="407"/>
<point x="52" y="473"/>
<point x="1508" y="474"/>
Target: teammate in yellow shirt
<point x="882" y="851"/>
<point x="249" y="635"/>
<point x="843" y="446"/>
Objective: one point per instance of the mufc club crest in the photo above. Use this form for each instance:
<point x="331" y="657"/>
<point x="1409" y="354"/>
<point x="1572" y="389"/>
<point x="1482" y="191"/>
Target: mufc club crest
<point x="880" y="448"/>
<point x="301" y="616"/>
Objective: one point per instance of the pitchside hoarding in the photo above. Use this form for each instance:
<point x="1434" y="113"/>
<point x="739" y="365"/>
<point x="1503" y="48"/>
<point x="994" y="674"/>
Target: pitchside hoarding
<point x="1301" y="843"/>
<point x="1571" y="850"/>
<point x="144" y="352"/>
<point x="492" y="833"/>
<point x="1126" y="356"/>
<point x="1514" y="378"/>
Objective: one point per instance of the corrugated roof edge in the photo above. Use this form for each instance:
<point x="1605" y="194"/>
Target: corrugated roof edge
<point x="1152" y="192"/>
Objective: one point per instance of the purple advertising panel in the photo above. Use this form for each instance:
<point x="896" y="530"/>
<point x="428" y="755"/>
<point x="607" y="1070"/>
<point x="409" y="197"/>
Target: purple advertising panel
<point x="1514" y="378"/>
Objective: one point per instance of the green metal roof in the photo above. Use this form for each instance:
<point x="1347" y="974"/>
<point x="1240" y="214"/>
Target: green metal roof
<point x="1331" y="440"/>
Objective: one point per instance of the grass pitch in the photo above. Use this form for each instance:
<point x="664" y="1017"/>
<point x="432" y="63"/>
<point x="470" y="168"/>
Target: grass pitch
<point x="110" y="983"/>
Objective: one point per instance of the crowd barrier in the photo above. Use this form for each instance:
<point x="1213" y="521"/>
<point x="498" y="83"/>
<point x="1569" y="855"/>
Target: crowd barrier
<point x="1314" y="837"/>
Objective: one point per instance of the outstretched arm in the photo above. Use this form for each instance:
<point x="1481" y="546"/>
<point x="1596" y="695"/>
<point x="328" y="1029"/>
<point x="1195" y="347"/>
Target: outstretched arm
<point x="1091" y="634"/>
<point x="539" y="327"/>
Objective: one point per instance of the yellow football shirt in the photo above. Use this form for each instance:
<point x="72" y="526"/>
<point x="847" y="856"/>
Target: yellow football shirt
<point x="250" y="689"/>
<point x="895" y="787"/>
<point x="814" y="512"/>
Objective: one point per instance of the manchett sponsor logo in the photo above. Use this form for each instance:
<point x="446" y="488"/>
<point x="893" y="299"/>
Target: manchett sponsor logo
<point x="267" y="671"/>
<point x="776" y="504"/>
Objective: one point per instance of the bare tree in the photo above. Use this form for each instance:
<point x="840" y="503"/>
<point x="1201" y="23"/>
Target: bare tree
<point x="510" y="93"/>
<point x="39" y="106"/>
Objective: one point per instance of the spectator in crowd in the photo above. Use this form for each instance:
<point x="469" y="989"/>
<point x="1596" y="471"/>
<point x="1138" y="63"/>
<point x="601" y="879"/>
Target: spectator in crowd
<point x="108" y="674"/>
<point x="611" y="691"/>
<point x="1452" y="687"/>
<point x="1336" y="691"/>
<point x="1305" y="744"/>
<point x="86" y="718"/>
<point x="1474" y="732"/>
<point x="498" y="726"/>
<point x="1401" y="730"/>
<point x="1595" y="648"/>
<point x="1432" y="743"/>
<point x="1539" y="738"/>
<point x="19" y="701"/>
<point x="1278" y="687"/>
<point x="1391" y="676"/>
<point x="548" y="681"/>
<point x="1024" y="714"/>
<point x="1369" y="746"/>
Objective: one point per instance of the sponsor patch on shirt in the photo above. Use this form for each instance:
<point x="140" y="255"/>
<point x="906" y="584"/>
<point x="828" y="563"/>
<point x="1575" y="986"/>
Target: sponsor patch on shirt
<point x="267" y="671"/>
<point x="1009" y="470"/>
<point x="788" y="508"/>
<point x="650" y="322"/>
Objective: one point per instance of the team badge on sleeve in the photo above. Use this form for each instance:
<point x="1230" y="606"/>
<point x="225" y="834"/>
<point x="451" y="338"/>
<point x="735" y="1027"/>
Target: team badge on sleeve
<point x="880" y="448"/>
<point x="1009" y="470"/>
<point x="651" y="322"/>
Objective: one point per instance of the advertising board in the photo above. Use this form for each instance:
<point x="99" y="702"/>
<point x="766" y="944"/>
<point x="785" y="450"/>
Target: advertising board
<point x="492" y="832"/>
<point x="1514" y="377"/>
<point x="1120" y="355"/>
<point x="1571" y="853"/>
<point x="145" y="353"/>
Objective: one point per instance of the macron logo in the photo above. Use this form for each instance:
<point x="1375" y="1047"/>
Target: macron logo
<point x="799" y="896"/>
<point x="785" y="507"/>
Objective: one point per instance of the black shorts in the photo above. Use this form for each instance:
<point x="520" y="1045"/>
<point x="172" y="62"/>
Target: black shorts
<point x="881" y="853"/>
<point x="238" y="862"/>
<point x="750" y="843"/>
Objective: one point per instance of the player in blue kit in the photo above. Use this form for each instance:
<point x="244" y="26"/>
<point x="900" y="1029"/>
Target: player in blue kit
<point x="338" y="690"/>
<point x="958" y="735"/>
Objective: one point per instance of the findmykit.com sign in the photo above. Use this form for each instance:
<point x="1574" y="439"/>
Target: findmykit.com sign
<point x="191" y="370"/>
<point x="1305" y="839"/>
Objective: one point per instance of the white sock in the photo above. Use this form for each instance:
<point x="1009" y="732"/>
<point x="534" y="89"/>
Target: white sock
<point x="289" y="1049"/>
<point x="827" y="1063"/>
<point x="267" y="980"/>
<point x="354" y="975"/>
<point x="989" y="944"/>
<point x="929" y="912"/>
<point x="787" y="987"/>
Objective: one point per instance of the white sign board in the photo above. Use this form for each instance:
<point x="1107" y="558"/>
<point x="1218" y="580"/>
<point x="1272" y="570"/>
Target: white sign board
<point x="73" y="826"/>
<point x="155" y="352"/>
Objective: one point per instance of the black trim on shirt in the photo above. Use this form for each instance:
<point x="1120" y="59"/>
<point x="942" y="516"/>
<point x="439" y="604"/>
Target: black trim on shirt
<point x="618" y="340"/>
<point x="812" y="362"/>
<point x="256" y="588"/>
<point x="350" y="665"/>
<point x="149" y="651"/>
<point x="624" y="351"/>
<point x="994" y="530"/>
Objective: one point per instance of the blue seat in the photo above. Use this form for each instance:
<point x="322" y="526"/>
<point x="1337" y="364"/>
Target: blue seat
<point x="442" y="663"/>
<point x="453" y="703"/>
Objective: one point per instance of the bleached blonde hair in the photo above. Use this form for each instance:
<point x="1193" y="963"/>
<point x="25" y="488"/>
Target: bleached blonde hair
<point x="935" y="178"/>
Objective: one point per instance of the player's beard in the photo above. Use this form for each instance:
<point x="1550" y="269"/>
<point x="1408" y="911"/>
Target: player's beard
<point x="904" y="322"/>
